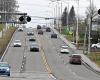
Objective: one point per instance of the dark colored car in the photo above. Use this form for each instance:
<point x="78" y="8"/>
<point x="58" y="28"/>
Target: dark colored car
<point x="75" y="59"/>
<point x="4" y="68"/>
<point x="32" y="39"/>
<point x="38" y="27"/>
<point x="48" y="29"/>
<point x="53" y="35"/>
<point x="34" y="48"/>
<point x="40" y="32"/>
<point x="30" y="33"/>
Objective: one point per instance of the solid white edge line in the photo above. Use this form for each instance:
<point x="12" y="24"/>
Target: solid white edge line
<point x="53" y="76"/>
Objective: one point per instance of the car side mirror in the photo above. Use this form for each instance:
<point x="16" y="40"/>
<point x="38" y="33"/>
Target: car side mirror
<point x="9" y="66"/>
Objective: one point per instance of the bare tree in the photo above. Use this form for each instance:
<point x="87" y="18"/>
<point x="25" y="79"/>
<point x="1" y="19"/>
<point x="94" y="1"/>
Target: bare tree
<point x="91" y="14"/>
<point x="7" y="6"/>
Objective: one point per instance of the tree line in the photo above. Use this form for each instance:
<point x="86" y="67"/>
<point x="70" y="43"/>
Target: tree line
<point x="68" y="18"/>
<point x="7" y="6"/>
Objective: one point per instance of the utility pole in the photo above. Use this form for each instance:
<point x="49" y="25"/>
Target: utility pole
<point x="84" y="46"/>
<point x="59" y="15"/>
<point x="90" y="25"/>
<point x="55" y="14"/>
<point x="58" y="11"/>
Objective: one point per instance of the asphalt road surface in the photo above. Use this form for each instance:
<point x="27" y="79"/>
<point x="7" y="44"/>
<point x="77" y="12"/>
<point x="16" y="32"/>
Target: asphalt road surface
<point x="48" y="64"/>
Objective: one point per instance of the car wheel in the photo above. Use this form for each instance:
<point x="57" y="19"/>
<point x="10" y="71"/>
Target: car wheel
<point x="8" y="74"/>
<point x="95" y="47"/>
<point x="70" y="62"/>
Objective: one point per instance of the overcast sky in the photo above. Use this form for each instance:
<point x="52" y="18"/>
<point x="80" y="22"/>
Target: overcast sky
<point x="45" y="8"/>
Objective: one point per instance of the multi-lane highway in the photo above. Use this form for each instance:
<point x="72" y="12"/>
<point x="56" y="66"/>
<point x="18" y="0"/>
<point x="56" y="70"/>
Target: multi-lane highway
<point x="47" y="64"/>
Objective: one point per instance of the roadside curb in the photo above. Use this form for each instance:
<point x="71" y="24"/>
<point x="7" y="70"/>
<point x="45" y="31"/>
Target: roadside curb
<point x="7" y="47"/>
<point x="91" y="68"/>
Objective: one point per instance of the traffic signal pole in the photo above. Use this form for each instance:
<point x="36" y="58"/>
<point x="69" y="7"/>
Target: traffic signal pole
<point x="77" y="32"/>
<point x="12" y="13"/>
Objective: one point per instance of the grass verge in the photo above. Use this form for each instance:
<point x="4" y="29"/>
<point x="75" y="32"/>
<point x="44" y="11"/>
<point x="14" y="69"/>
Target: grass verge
<point x="5" y="39"/>
<point x="95" y="57"/>
<point x="1" y="27"/>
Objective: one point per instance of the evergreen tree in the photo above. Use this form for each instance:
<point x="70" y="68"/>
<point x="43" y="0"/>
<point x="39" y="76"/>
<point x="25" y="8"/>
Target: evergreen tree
<point x="64" y="17"/>
<point x="72" y="18"/>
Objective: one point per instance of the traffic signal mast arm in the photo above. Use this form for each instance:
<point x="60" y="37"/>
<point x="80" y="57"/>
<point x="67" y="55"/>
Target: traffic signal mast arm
<point x="12" y="13"/>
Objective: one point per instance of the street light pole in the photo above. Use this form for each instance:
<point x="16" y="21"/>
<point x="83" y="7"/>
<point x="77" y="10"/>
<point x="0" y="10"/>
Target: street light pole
<point x="58" y="11"/>
<point x="67" y="16"/>
<point x="77" y="32"/>
<point x="60" y="17"/>
<point x="55" y="14"/>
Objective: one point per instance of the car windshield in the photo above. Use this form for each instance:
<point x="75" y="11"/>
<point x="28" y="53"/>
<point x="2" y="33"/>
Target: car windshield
<point x="76" y="56"/>
<point x="17" y="41"/>
<point x="30" y="32"/>
<point x="64" y="47"/>
<point x="20" y="28"/>
<point x="33" y="44"/>
<point x="3" y="65"/>
<point x="31" y="37"/>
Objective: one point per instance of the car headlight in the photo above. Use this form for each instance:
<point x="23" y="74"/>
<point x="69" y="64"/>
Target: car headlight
<point x="8" y="69"/>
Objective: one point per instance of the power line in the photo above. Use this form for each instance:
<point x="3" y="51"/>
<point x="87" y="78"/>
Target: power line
<point x="42" y="17"/>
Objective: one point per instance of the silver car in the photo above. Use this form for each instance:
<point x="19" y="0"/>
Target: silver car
<point x="4" y="68"/>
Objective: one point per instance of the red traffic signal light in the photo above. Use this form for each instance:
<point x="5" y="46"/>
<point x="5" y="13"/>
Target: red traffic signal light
<point x="28" y="19"/>
<point x="99" y="11"/>
<point x="21" y="18"/>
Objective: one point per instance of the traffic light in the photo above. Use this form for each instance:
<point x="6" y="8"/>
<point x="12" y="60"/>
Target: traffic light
<point x="21" y="18"/>
<point x="99" y="11"/>
<point x="24" y="19"/>
<point x="28" y="19"/>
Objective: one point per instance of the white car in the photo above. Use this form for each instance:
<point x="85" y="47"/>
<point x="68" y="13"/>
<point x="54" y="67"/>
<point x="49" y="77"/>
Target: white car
<point x="17" y="43"/>
<point x="96" y="45"/>
<point x="64" y="47"/>
<point x="64" y="51"/>
<point x="20" y="29"/>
